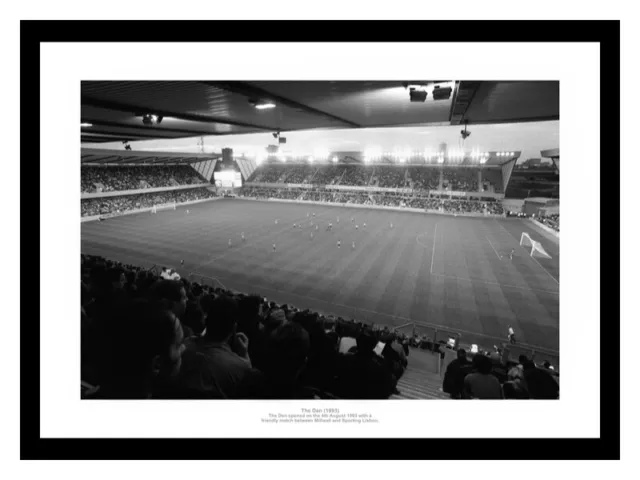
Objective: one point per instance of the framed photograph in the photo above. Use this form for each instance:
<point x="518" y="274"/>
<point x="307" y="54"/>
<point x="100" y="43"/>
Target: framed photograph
<point x="307" y="243"/>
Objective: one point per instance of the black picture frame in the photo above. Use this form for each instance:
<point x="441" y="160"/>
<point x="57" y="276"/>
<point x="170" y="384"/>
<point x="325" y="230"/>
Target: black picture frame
<point x="606" y="33"/>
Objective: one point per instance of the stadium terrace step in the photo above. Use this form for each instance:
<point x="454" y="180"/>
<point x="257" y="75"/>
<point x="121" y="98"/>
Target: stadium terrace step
<point x="419" y="385"/>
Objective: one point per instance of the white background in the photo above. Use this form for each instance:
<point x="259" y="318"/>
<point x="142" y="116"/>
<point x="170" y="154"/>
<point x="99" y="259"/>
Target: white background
<point x="576" y="414"/>
<point x="575" y="66"/>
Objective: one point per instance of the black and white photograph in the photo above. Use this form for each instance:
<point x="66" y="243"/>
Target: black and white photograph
<point x="319" y="240"/>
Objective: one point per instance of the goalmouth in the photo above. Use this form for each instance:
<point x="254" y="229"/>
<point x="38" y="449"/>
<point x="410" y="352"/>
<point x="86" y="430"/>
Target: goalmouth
<point x="536" y="248"/>
<point x="164" y="206"/>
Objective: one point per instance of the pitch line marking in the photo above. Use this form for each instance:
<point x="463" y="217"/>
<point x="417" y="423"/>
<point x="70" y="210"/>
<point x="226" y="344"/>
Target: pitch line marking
<point x="539" y="264"/>
<point x="400" y="317"/>
<point x="554" y="278"/>
<point x="495" y="283"/>
<point x="494" y="248"/>
<point x="433" y="253"/>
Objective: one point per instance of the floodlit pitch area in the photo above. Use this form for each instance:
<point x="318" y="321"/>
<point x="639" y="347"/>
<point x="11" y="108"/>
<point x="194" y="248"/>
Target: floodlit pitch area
<point x="444" y="270"/>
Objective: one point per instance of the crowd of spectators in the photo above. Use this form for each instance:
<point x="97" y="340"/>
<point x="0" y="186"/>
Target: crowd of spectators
<point x="390" y="176"/>
<point x="146" y="336"/>
<point x="123" y="203"/>
<point x="488" y="376"/>
<point x="424" y="178"/>
<point x="355" y="175"/>
<point x="372" y="198"/>
<point x="326" y="175"/>
<point x="357" y="198"/>
<point x="384" y="176"/>
<point x="301" y="173"/>
<point x="186" y="340"/>
<point x="460" y="179"/>
<point x="117" y="179"/>
<point x="552" y="221"/>
<point x="269" y="173"/>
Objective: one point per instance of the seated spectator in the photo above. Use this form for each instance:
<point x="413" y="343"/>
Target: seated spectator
<point x="218" y="362"/>
<point x="395" y="360"/>
<point x="540" y="383"/>
<point x="287" y="349"/>
<point x="193" y="319"/>
<point x="172" y="294"/>
<point x="457" y="370"/>
<point x="363" y="375"/>
<point x="482" y="383"/>
<point x="148" y="349"/>
<point x="323" y="355"/>
<point x="514" y="391"/>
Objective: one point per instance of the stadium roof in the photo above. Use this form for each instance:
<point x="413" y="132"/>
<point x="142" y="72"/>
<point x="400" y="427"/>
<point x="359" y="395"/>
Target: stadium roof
<point x="551" y="153"/>
<point x="114" y="109"/>
<point x="129" y="157"/>
<point x="125" y="157"/>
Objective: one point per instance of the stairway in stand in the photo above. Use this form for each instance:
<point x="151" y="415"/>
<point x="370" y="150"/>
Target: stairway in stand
<point x="420" y="382"/>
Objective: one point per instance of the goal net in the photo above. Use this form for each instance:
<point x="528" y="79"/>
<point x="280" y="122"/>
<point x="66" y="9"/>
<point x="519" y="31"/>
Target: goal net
<point x="536" y="249"/>
<point x="164" y="206"/>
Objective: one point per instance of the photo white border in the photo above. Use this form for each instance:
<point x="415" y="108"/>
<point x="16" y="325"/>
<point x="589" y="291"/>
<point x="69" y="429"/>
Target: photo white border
<point x="63" y="66"/>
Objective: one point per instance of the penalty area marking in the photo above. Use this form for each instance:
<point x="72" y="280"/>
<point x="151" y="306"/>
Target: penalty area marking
<point x="393" y="317"/>
<point x="494" y="248"/>
<point x="533" y="258"/>
<point x="433" y="253"/>
<point x="472" y="280"/>
<point x="419" y="241"/>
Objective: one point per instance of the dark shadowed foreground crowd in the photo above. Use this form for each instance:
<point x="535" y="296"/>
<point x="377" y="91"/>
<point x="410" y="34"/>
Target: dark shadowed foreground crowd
<point x="143" y="336"/>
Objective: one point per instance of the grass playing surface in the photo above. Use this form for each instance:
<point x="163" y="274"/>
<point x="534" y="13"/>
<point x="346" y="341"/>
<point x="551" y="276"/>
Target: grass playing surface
<point x="444" y="270"/>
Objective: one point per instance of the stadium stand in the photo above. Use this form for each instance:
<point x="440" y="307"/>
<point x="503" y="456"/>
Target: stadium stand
<point x="270" y="173"/>
<point x="119" y="204"/>
<point x="299" y="174"/>
<point x="424" y="178"/>
<point x="355" y="175"/>
<point x="461" y="180"/>
<point x="327" y="175"/>
<point x="379" y="199"/>
<point x="552" y="221"/>
<point x="383" y="176"/>
<point x="116" y="179"/>
<point x="390" y="176"/>
<point x="214" y="343"/>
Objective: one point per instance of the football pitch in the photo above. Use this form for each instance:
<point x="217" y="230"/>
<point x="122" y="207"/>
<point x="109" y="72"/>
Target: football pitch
<point x="453" y="272"/>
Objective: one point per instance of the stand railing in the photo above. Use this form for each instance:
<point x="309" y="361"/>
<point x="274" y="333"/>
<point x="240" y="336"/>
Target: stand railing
<point x="203" y="279"/>
<point x="438" y="332"/>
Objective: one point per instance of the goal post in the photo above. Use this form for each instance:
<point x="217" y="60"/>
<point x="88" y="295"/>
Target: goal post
<point x="164" y="206"/>
<point x="535" y="248"/>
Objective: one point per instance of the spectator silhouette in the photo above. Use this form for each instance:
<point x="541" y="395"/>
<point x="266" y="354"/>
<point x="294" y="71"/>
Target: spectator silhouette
<point x="172" y="294"/>
<point x="540" y="383"/>
<point x="218" y="362"/>
<point x="482" y="383"/>
<point x="363" y="375"/>
<point x="457" y="370"/>
<point x="147" y="351"/>
<point x="287" y="350"/>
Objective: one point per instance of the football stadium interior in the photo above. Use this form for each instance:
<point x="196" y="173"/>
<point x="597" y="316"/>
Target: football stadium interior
<point x="342" y="240"/>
